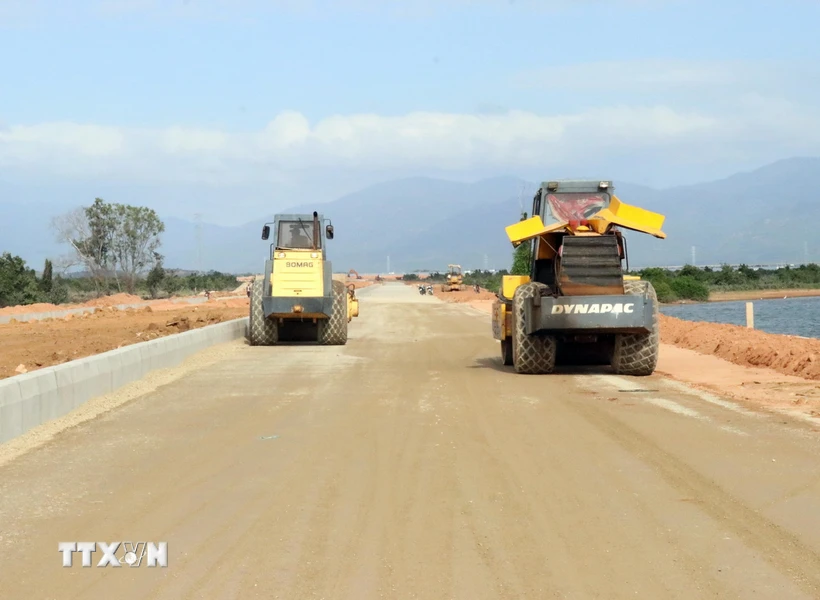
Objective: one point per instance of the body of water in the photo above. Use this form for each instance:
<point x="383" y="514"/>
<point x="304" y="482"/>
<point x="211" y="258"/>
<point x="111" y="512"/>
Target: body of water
<point x="790" y="316"/>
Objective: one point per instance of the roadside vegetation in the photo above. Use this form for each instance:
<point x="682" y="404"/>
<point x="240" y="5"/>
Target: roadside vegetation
<point x="115" y="249"/>
<point x="687" y="284"/>
<point x="21" y="285"/>
<point x="694" y="283"/>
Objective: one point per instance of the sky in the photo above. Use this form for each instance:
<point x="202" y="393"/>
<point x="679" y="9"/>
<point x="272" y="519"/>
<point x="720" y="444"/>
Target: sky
<point x="234" y="107"/>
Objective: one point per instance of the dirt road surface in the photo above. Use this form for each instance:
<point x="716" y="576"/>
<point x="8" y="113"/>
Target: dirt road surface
<point x="410" y="464"/>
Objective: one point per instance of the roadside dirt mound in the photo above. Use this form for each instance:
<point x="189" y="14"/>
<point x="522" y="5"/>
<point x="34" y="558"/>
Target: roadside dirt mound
<point x="746" y="347"/>
<point x="467" y="295"/>
<point x="234" y="303"/>
<point x="29" y="346"/>
<point x="96" y="303"/>
<point x="33" y="308"/>
<point x="114" y="300"/>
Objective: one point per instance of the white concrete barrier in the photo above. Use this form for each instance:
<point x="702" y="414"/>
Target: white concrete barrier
<point x="54" y="314"/>
<point x="30" y="399"/>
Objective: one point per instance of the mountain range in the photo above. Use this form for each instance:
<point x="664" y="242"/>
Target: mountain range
<point x="757" y="217"/>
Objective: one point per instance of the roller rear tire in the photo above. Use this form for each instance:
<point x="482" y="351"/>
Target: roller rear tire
<point x="636" y="354"/>
<point x="333" y="331"/>
<point x="531" y="354"/>
<point x="261" y="331"/>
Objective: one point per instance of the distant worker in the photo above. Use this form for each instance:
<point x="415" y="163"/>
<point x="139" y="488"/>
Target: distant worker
<point x="477" y="288"/>
<point x="248" y="289"/>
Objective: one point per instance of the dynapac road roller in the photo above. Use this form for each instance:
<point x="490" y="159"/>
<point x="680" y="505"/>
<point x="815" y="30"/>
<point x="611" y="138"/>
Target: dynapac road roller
<point x="298" y="299"/>
<point x="577" y="306"/>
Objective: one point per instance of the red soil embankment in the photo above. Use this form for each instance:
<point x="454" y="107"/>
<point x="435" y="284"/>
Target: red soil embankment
<point x="745" y="347"/>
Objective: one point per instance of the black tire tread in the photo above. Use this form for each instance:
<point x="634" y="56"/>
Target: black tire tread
<point x="636" y="354"/>
<point x="261" y="331"/>
<point x="333" y="331"/>
<point x="532" y="354"/>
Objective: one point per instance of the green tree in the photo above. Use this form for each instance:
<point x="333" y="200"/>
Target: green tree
<point x="173" y="284"/>
<point x="112" y="239"/>
<point x="664" y="291"/>
<point x="156" y="276"/>
<point x="136" y="240"/>
<point x="58" y="294"/>
<point x="90" y="233"/>
<point x="691" y="271"/>
<point x="46" y="281"/>
<point x="728" y="277"/>
<point x="522" y="256"/>
<point x="18" y="283"/>
<point x="748" y="272"/>
<point x="689" y="288"/>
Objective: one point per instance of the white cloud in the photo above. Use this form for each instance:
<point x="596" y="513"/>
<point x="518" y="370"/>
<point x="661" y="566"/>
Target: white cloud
<point x="290" y="146"/>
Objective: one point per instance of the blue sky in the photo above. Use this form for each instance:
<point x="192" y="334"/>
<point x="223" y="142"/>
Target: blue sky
<point x="280" y="94"/>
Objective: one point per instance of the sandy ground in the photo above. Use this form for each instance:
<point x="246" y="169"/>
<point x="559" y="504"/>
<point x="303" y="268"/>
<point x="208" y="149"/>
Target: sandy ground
<point x="466" y="295"/>
<point x="411" y="464"/>
<point x="356" y="283"/>
<point x="769" y="371"/>
<point x="120" y="299"/>
<point x="27" y="346"/>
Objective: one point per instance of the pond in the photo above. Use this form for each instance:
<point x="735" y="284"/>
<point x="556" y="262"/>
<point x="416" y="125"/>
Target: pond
<point x="790" y="316"/>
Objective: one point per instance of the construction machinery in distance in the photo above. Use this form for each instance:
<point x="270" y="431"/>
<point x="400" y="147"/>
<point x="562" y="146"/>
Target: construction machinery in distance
<point x="298" y="299"/>
<point x="354" y="273"/>
<point x="454" y="279"/>
<point x="577" y="306"/>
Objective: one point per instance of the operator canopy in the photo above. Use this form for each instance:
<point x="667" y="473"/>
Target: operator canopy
<point x="574" y="206"/>
<point x="293" y="234"/>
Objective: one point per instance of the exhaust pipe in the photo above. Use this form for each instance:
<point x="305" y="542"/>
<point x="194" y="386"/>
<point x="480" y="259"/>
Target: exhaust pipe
<point x="315" y="230"/>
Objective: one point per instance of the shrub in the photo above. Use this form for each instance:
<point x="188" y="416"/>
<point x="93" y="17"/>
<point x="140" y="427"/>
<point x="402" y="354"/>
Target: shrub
<point x="664" y="291"/>
<point x="689" y="288"/>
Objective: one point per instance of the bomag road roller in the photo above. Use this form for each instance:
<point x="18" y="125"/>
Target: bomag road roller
<point x="454" y="279"/>
<point x="577" y="306"/>
<point x="298" y="299"/>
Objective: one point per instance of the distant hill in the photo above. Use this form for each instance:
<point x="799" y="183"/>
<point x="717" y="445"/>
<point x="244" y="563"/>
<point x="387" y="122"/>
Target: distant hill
<point x="417" y="222"/>
<point x="762" y="216"/>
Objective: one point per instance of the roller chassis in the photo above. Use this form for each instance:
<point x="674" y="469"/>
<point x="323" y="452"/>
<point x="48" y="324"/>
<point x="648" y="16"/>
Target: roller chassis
<point x="537" y="334"/>
<point x="576" y="306"/>
<point x="302" y="302"/>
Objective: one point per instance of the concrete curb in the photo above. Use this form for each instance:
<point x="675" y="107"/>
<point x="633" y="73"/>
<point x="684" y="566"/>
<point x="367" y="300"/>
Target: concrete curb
<point x="31" y="399"/>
